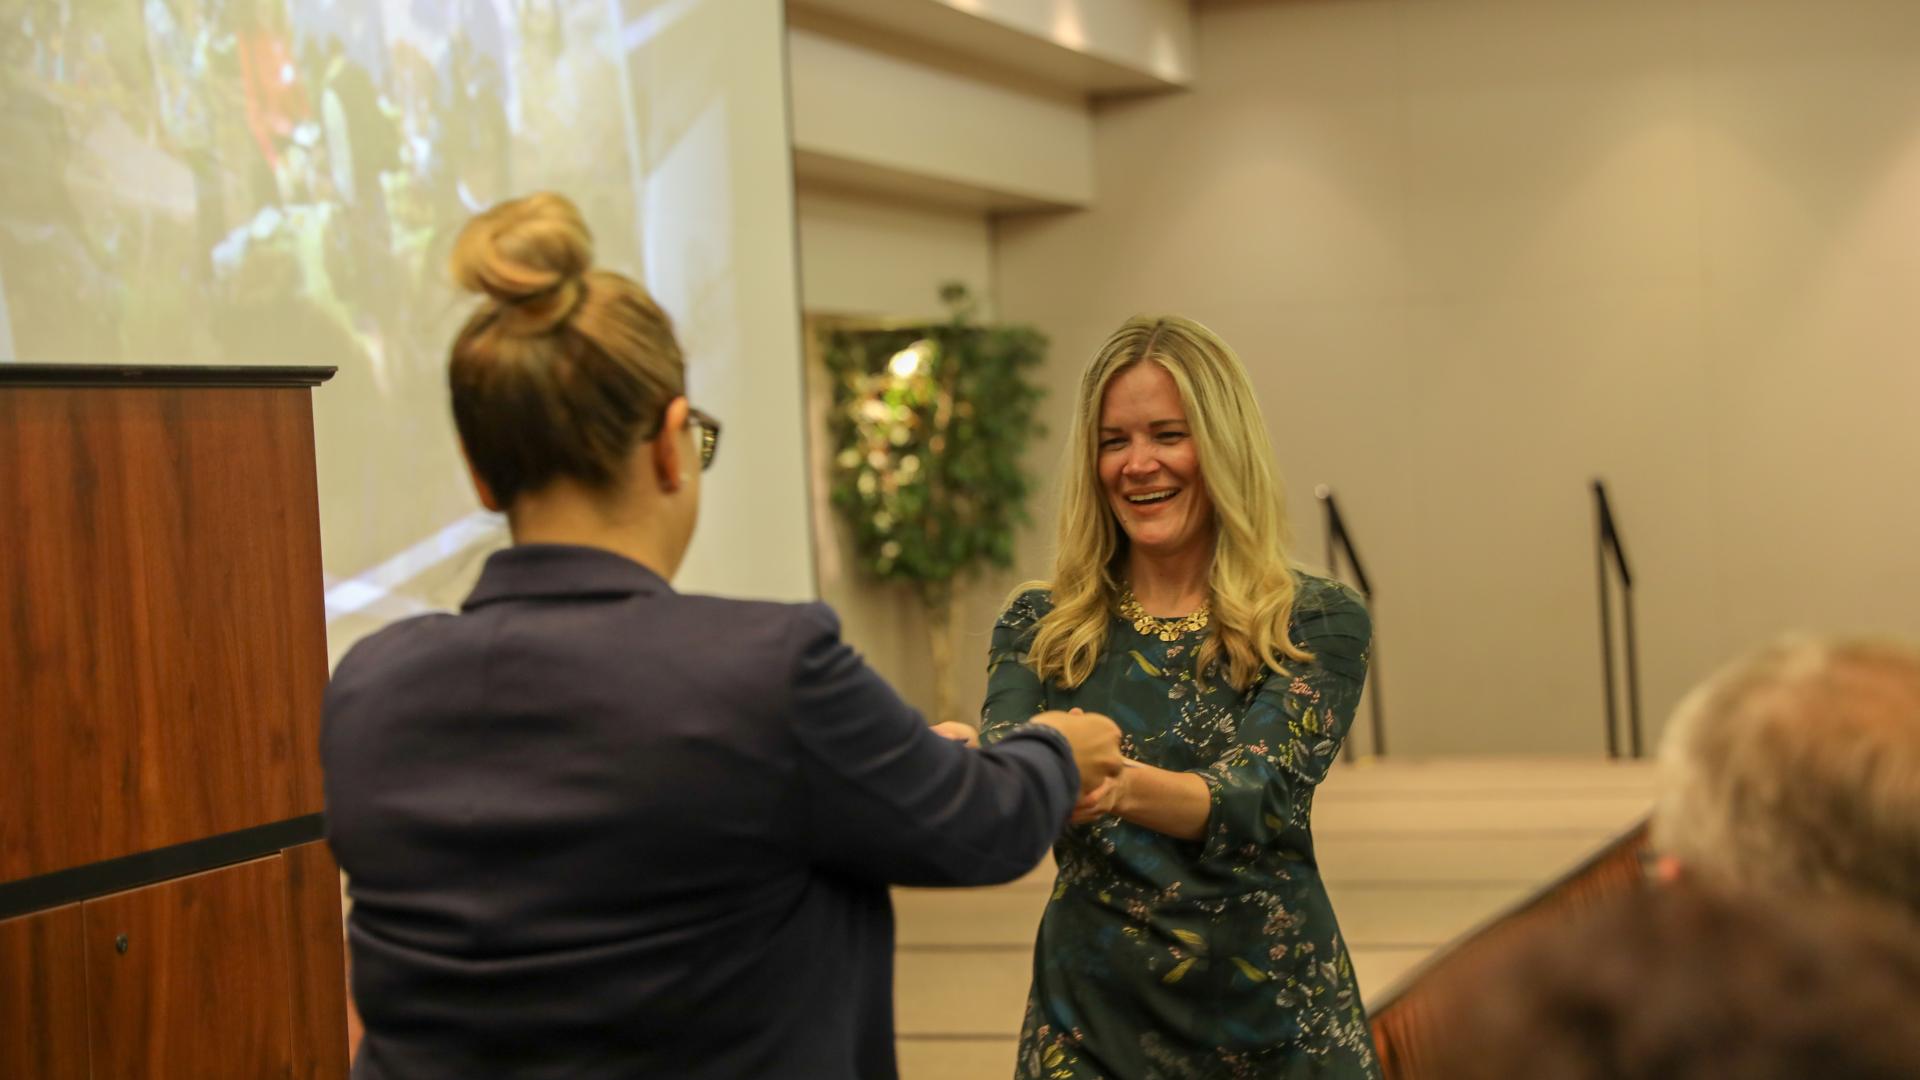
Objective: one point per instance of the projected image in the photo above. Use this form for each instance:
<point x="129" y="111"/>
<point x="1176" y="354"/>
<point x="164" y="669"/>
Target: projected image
<point x="279" y="182"/>
<point x="192" y="180"/>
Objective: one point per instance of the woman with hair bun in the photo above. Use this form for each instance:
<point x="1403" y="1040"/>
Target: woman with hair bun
<point x="1188" y="933"/>
<point x="594" y="827"/>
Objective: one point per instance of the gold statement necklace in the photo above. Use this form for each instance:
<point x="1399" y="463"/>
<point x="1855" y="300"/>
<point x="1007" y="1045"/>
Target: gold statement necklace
<point x="1164" y="629"/>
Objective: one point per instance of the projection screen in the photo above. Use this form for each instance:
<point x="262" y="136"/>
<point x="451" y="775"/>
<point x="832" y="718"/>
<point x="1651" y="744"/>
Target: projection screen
<point x="278" y="182"/>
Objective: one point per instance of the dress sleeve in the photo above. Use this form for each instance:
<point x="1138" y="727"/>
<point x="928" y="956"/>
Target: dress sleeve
<point x="1291" y="732"/>
<point x="1014" y="693"/>
<point x="890" y="801"/>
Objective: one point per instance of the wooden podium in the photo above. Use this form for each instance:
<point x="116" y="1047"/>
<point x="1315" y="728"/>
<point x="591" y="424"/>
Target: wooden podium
<point x="167" y="907"/>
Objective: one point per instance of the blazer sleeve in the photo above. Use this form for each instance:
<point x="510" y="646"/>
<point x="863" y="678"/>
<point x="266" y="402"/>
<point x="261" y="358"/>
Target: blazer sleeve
<point x="890" y="801"/>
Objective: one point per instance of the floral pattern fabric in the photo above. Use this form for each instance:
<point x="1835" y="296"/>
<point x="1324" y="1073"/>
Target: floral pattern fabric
<point x="1168" y="959"/>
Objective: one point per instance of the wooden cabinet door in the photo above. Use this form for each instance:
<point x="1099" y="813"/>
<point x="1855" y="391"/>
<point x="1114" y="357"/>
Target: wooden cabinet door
<point x="43" y="997"/>
<point x="190" y="977"/>
<point x="319" y="964"/>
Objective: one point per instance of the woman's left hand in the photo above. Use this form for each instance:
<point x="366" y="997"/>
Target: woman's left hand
<point x="1101" y="801"/>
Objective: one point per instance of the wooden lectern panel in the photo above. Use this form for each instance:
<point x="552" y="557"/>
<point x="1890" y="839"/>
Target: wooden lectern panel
<point x="191" y="977"/>
<point x="165" y="650"/>
<point x="318" y="974"/>
<point x="43" y="997"/>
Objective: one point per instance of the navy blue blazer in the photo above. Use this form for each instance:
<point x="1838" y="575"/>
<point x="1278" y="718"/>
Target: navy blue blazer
<point x="597" y="828"/>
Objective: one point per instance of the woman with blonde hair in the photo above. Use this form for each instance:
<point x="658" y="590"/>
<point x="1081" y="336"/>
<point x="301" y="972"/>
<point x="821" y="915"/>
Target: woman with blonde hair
<point x="1189" y="933"/>
<point x="596" y="827"/>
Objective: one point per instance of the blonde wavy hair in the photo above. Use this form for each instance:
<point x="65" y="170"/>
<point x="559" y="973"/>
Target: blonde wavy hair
<point x="1251" y="582"/>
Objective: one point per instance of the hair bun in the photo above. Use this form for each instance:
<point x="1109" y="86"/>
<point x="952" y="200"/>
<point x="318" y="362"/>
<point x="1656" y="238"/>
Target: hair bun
<point x="528" y="254"/>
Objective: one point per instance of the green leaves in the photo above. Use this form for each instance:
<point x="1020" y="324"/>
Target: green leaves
<point x="929" y="426"/>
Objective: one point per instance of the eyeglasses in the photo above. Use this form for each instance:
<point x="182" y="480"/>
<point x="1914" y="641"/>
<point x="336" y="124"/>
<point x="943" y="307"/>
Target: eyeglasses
<point x="708" y="433"/>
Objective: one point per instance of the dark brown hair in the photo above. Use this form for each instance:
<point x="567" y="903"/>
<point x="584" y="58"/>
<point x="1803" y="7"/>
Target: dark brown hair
<point x="563" y="368"/>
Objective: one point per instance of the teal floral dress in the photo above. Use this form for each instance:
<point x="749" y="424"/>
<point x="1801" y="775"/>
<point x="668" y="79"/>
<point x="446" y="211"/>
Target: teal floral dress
<point x="1161" y="958"/>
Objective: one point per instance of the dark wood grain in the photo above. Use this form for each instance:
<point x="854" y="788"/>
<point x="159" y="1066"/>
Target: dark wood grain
<point x="319" y="962"/>
<point x="162" y="630"/>
<point x="43" y="997"/>
<point x="202" y="988"/>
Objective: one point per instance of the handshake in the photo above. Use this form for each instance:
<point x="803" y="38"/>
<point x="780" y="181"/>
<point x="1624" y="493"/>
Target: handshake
<point x="1096" y="750"/>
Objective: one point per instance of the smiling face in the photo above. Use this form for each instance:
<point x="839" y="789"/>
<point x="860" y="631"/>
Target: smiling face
<point x="1148" y="464"/>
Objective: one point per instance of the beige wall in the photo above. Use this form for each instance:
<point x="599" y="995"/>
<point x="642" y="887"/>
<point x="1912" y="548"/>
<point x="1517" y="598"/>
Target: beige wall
<point x="1476" y="253"/>
<point x="862" y="254"/>
<point x="913" y="111"/>
<point x="1153" y="35"/>
<point x="1098" y="46"/>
